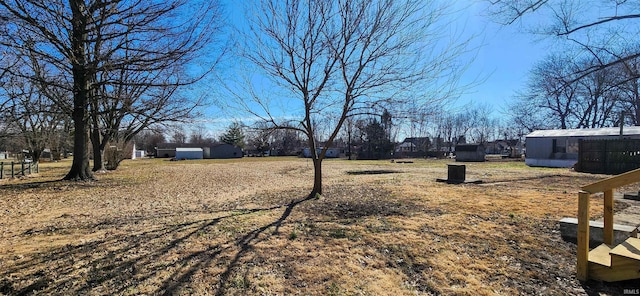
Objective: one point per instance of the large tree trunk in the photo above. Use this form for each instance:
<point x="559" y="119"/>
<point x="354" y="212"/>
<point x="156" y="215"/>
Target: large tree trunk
<point x="80" y="166"/>
<point x="98" y="150"/>
<point x="35" y="155"/>
<point x="98" y="159"/>
<point x="80" y="169"/>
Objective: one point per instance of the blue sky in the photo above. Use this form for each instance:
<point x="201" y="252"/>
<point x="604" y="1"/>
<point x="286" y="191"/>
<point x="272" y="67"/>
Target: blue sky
<point x="504" y="58"/>
<point x="502" y="62"/>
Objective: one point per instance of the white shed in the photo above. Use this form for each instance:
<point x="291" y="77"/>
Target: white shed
<point x="137" y="153"/>
<point x="189" y="153"/>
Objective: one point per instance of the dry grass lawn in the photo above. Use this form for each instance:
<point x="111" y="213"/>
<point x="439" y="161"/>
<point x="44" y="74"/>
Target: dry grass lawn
<point x="245" y="227"/>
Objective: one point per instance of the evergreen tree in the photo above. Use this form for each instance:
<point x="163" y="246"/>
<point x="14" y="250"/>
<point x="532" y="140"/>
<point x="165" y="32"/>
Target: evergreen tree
<point x="234" y="135"/>
<point x="376" y="144"/>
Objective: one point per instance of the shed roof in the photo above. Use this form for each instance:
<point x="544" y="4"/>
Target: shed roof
<point x="586" y="132"/>
<point x="185" y="149"/>
<point x="469" y="147"/>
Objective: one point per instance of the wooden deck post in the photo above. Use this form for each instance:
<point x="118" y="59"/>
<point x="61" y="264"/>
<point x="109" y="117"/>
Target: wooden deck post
<point x="608" y="217"/>
<point x="583" y="236"/>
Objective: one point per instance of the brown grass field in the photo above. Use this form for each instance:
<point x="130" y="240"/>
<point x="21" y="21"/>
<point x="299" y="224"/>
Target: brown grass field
<point x="246" y="227"/>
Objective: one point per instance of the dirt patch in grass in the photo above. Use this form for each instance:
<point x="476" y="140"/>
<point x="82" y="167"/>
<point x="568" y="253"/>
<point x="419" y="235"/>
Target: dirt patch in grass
<point x="248" y="227"/>
<point x="359" y="202"/>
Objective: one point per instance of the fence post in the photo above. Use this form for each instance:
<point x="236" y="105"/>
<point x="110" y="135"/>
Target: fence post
<point x="37" y="167"/>
<point x="1" y="170"/>
<point x="22" y="167"/>
<point x="605" y="158"/>
<point x="29" y="167"/>
<point x="13" y="174"/>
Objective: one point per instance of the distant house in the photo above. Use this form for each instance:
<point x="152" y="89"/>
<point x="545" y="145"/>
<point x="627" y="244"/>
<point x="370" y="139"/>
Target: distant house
<point x="421" y="144"/>
<point x="559" y="148"/>
<point x="508" y="148"/>
<point x="405" y="147"/>
<point x="470" y="152"/>
<point x="496" y="147"/>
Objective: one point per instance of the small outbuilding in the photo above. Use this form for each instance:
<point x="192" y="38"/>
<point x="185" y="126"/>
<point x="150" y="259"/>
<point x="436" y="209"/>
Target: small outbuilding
<point x="135" y="153"/>
<point x="331" y="152"/>
<point x="189" y="153"/>
<point x="223" y="151"/>
<point x="215" y="151"/>
<point x="470" y="152"/>
<point x="166" y="150"/>
<point x="560" y="148"/>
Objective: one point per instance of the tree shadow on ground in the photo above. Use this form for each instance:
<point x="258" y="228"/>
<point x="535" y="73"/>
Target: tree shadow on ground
<point x="125" y="261"/>
<point x="28" y="185"/>
<point x="524" y="179"/>
<point x="253" y="237"/>
<point x="373" y="172"/>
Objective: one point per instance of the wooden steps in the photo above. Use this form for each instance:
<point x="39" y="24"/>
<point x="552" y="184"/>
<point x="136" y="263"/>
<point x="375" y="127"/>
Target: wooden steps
<point x="617" y="264"/>
<point x="601" y="256"/>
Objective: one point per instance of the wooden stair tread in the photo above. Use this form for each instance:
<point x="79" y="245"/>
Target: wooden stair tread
<point x="629" y="249"/>
<point x="601" y="255"/>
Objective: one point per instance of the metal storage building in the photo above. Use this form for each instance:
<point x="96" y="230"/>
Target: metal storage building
<point x="223" y="151"/>
<point x="559" y="148"/>
<point x="189" y="153"/>
<point x="208" y="151"/>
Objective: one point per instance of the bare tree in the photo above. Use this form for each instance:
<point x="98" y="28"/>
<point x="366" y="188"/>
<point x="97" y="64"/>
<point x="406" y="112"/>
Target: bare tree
<point x="129" y="102"/>
<point x="483" y="125"/>
<point x="457" y="127"/>
<point x="178" y="135"/>
<point x="285" y="142"/>
<point x="258" y="140"/>
<point x="336" y="59"/>
<point x="550" y="91"/>
<point x="75" y="42"/>
<point x="554" y="99"/>
<point x="30" y="116"/>
<point x="604" y="30"/>
<point x="598" y="99"/>
<point x="628" y="90"/>
<point x="148" y="139"/>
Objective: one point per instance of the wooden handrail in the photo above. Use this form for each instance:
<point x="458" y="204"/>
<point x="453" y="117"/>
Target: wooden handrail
<point x="613" y="182"/>
<point x="606" y="186"/>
